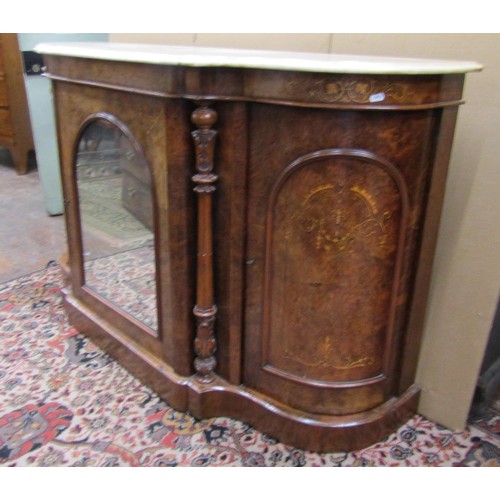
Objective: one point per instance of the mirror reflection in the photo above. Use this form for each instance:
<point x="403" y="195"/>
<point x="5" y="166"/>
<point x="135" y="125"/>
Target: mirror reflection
<point x="116" y="210"/>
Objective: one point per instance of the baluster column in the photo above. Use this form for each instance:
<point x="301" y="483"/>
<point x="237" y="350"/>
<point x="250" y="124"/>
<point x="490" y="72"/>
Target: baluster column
<point x="205" y="309"/>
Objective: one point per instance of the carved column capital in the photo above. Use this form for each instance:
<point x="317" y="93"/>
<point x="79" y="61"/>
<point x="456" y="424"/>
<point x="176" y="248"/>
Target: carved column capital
<point x="204" y="117"/>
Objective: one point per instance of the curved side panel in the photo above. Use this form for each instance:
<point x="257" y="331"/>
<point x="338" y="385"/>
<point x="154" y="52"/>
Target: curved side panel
<point x="335" y="233"/>
<point x="308" y="431"/>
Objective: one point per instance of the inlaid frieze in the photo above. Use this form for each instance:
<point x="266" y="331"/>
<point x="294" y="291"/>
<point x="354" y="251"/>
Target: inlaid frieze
<point x="354" y="90"/>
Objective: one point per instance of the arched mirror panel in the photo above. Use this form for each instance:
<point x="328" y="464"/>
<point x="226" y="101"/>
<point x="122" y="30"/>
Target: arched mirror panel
<point x="116" y="212"/>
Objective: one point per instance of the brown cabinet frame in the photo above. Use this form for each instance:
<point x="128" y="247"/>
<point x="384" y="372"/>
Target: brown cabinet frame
<point x="212" y="129"/>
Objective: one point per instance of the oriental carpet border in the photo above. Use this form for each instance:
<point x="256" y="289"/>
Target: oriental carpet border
<point x="65" y="403"/>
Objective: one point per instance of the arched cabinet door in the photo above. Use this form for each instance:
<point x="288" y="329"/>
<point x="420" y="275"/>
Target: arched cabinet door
<point x="334" y="223"/>
<point x="116" y="220"/>
<point x="123" y="168"/>
<point x="335" y="227"/>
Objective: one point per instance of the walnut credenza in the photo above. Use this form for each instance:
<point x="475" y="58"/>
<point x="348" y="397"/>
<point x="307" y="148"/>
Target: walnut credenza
<point x="294" y="202"/>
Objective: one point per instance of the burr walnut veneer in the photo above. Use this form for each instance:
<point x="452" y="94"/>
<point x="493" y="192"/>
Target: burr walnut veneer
<point x="295" y="203"/>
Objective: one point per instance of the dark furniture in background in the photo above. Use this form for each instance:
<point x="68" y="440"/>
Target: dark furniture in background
<point x="15" y="125"/>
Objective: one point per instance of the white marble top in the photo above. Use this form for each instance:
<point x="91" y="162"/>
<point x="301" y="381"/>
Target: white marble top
<point x="264" y="59"/>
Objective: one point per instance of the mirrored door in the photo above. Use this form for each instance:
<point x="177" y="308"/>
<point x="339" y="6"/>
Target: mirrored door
<point x="116" y="212"/>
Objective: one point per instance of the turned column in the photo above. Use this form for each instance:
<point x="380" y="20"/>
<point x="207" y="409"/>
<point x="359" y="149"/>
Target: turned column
<point x="205" y="309"/>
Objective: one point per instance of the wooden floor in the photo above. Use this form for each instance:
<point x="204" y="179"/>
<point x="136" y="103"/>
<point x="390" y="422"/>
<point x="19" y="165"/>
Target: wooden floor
<point x="29" y="236"/>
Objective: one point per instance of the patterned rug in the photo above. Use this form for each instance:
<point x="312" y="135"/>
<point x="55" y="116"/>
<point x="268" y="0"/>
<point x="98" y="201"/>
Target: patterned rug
<point x="127" y="279"/>
<point x="65" y="403"/>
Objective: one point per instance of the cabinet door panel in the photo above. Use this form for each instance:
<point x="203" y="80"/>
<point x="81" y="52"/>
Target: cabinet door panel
<point x="332" y="226"/>
<point x="75" y="106"/>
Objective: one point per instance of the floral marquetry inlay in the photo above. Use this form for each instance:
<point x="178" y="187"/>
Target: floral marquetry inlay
<point x="354" y="90"/>
<point x="336" y="216"/>
<point x="326" y="357"/>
